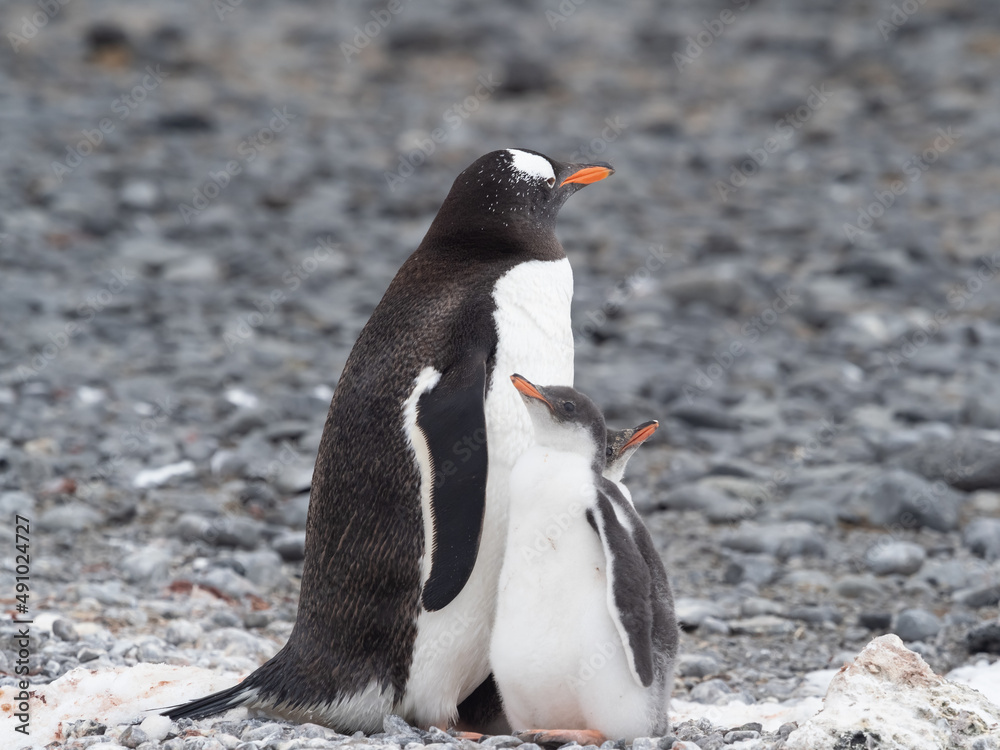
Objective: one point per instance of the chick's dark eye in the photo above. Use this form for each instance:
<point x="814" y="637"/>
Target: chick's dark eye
<point x="551" y="182"/>
<point x="569" y="406"/>
<point x="608" y="451"/>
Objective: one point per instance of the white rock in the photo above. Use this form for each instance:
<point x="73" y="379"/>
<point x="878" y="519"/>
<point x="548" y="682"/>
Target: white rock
<point x="156" y="727"/>
<point x="159" y="477"/>
<point x="112" y="697"/>
<point x="891" y="698"/>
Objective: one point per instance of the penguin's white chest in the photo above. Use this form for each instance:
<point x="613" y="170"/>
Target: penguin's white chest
<point x="534" y="339"/>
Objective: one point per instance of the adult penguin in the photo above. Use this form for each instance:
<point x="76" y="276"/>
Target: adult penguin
<point x="408" y="513"/>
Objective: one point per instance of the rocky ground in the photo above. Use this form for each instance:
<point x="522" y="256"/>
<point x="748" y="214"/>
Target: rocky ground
<point x="794" y="269"/>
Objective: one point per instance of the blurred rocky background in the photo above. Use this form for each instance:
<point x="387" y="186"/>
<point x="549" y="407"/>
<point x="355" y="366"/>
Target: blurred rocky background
<point x="794" y="268"/>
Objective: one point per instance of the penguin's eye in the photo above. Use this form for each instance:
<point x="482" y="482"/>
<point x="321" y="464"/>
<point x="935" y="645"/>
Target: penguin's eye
<point x="569" y="406"/>
<point x="551" y="182"/>
<point x="608" y="451"/>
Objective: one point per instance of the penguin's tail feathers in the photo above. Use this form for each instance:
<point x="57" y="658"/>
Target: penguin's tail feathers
<point x="216" y="703"/>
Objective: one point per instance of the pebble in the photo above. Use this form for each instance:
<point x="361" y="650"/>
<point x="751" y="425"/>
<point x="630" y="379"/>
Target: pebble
<point x="898" y="498"/>
<point x="984" y="637"/>
<point x="888" y="557"/>
<point x="917" y="625"/>
<point x="762" y="625"/>
<point x="982" y="537"/>
<point x="979" y="596"/>
<point x="859" y="586"/>
<point x="697" y="665"/>
<point x="291" y="545"/>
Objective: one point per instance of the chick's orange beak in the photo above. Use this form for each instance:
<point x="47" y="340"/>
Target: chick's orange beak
<point x="642" y="434"/>
<point x="588" y="175"/>
<point x="525" y="387"/>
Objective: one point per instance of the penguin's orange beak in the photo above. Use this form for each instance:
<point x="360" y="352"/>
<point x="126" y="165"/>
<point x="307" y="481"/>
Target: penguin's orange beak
<point x="527" y="389"/>
<point x="642" y="434"/>
<point x="588" y="175"/>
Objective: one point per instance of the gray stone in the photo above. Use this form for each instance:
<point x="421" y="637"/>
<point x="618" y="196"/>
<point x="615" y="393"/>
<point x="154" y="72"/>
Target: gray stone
<point x="712" y="692"/>
<point x="759" y="606"/>
<point x="741" y="735"/>
<point x="859" y="586"/>
<point x="262" y="567"/>
<point x="691" y="612"/>
<point x="64" y="630"/>
<point x="889" y="557"/>
<point x="984" y="638"/>
<point x="150" y="565"/>
<point x="898" y="498"/>
<point x="132" y="737"/>
<point x="982" y="537"/>
<point x="89" y="653"/>
<point x="182" y="631"/>
<point x="917" y="625"/>
<point x="945" y="575"/>
<point x="978" y="596"/>
<point x="968" y="461"/>
<point x="220" y="531"/>
<point x="697" y="665"/>
<point x="290" y="545"/>
<point x="816" y="614"/>
<point x="783" y="540"/>
<point x="73" y="516"/>
<point x="691" y="497"/>
<point x="762" y="625"/>
<point x="759" y="570"/>
<point x="16" y="502"/>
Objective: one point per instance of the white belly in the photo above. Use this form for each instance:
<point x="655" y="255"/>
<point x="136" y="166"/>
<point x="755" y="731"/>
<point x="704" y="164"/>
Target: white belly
<point x="556" y="654"/>
<point x="534" y="339"/>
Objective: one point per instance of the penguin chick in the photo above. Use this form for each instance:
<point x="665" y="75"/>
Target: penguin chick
<point x="585" y="635"/>
<point x="621" y="446"/>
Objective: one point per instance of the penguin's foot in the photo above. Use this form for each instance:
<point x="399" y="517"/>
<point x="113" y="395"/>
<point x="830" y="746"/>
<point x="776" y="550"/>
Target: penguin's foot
<point x="474" y="736"/>
<point x="553" y="738"/>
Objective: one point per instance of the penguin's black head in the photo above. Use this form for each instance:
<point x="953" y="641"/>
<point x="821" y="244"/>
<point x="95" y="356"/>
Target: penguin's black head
<point x="516" y="189"/>
<point x="622" y="444"/>
<point x="564" y="419"/>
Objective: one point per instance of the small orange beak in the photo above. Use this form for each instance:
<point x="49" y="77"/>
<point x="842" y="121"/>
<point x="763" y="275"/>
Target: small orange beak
<point x="524" y="386"/>
<point x="642" y="434"/>
<point x="588" y="175"/>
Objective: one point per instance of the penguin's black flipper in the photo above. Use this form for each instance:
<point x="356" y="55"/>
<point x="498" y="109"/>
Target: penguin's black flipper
<point x="452" y="418"/>
<point x="629" y="583"/>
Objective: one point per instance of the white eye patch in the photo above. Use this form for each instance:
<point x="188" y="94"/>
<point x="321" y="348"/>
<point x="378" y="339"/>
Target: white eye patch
<point x="530" y="166"/>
